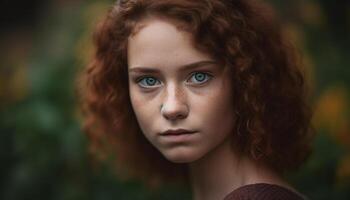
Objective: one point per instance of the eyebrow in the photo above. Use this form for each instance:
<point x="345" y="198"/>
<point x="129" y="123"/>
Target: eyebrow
<point x="182" y="68"/>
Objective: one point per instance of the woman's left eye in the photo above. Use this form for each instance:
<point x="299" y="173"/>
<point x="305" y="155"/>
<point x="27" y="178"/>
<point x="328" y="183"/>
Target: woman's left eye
<point x="200" y="77"/>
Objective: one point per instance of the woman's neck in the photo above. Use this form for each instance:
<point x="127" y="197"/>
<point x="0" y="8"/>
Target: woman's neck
<point x="220" y="172"/>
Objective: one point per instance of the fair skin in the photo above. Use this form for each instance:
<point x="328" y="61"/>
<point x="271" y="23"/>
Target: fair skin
<point x="196" y="95"/>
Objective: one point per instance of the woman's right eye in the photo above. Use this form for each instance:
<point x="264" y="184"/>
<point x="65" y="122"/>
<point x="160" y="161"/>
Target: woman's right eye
<point x="147" y="82"/>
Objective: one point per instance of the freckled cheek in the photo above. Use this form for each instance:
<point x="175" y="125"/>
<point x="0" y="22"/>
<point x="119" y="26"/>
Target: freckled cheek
<point x="208" y="108"/>
<point x="213" y="109"/>
<point x="144" y="110"/>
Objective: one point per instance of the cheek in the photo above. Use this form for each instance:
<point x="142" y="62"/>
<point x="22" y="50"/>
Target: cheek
<point x="215" y="111"/>
<point x="141" y="108"/>
<point x="137" y="100"/>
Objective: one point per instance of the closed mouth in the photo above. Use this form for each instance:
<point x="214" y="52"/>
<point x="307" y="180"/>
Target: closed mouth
<point x="177" y="132"/>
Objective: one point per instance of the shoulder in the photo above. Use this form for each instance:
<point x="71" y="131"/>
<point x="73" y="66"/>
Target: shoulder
<point x="262" y="191"/>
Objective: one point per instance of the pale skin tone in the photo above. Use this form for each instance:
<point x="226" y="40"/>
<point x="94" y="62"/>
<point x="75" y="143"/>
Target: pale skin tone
<point x="196" y="95"/>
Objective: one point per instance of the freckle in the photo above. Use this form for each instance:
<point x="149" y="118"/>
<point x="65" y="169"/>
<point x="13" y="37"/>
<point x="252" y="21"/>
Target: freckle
<point x="179" y="93"/>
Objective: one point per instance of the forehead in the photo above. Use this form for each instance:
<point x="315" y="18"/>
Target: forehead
<point x="153" y="18"/>
<point x="161" y="42"/>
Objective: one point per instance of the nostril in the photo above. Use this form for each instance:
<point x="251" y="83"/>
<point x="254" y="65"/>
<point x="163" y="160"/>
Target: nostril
<point x="174" y="117"/>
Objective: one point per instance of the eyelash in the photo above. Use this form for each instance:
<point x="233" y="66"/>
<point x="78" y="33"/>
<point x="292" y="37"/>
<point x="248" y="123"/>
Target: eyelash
<point x="139" y="79"/>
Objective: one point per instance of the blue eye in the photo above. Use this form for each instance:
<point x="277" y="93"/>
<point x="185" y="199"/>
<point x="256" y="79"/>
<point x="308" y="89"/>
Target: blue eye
<point x="196" y="78"/>
<point x="200" y="77"/>
<point x="148" y="81"/>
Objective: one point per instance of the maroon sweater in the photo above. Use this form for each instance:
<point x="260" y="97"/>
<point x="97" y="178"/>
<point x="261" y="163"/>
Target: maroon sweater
<point x="263" y="191"/>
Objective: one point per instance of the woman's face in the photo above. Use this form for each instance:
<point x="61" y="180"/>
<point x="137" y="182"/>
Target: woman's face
<point x="174" y="86"/>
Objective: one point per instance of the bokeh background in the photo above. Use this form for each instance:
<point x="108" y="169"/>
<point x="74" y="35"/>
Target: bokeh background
<point x="43" y="152"/>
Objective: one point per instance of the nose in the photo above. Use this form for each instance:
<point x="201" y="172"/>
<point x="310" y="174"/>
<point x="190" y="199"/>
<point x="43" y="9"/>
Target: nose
<point x="174" y="106"/>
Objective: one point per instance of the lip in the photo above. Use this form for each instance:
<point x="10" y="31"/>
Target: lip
<point x="177" y="132"/>
<point x="178" y="136"/>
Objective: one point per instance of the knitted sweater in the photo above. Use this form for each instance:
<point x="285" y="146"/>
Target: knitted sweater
<point x="263" y="191"/>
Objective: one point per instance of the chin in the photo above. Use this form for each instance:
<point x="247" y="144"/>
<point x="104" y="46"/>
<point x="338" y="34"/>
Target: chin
<point x="181" y="155"/>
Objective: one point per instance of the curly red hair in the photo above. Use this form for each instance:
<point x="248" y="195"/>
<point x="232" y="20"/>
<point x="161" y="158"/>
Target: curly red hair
<point x="273" y="117"/>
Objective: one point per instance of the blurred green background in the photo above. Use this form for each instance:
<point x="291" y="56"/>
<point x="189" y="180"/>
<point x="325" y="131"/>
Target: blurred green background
<point x="43" y="153"/>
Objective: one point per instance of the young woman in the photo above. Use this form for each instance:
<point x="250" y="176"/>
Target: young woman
<point x="203" y="92"/>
